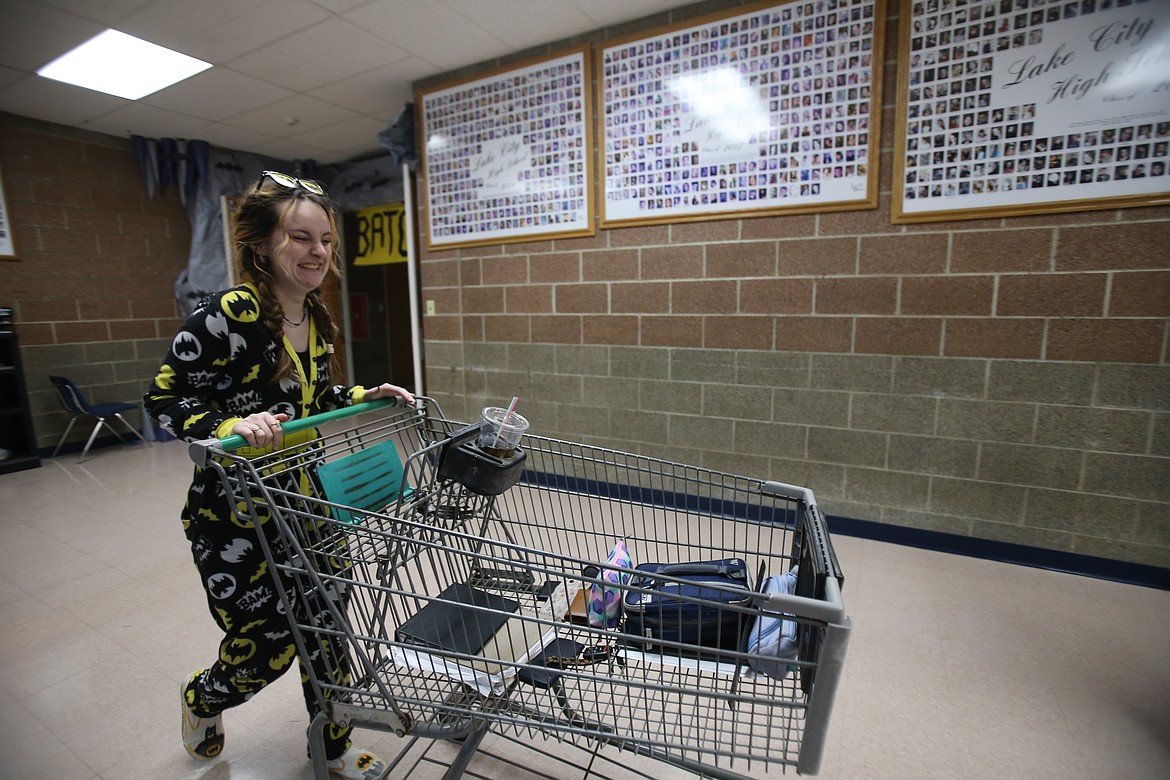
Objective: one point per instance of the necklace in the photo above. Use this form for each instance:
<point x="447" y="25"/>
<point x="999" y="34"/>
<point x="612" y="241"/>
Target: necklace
<point x="304" y="315"/>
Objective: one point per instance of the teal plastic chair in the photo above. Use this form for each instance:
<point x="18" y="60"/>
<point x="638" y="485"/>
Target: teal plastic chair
<point x="367" y="479"/>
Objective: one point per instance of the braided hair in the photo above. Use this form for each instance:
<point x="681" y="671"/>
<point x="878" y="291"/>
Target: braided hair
<point x="259" y="212"/>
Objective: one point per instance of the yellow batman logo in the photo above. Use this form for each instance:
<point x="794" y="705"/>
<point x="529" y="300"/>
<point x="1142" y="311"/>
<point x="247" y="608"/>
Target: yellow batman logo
<point x="253" y="375"/>
<point x="237" y="651"/>
<point x="243" y="518"/>
<point x="240" y="306"/>
<point x="283" y="660"/>
<point x="248" y="683"/>
<point x="193" y="419"/>
<point x="260" y="572"/>
<point x="165" y="378"/>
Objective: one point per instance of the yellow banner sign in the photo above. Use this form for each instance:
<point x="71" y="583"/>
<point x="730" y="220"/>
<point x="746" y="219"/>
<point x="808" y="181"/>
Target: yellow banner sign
<point x="381" y="235"/>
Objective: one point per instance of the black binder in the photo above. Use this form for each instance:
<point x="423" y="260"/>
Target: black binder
<point x="453" y="626"/>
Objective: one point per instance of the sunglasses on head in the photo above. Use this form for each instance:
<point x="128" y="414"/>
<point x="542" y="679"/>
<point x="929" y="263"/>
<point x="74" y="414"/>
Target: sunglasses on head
<point x="292" y="182"/>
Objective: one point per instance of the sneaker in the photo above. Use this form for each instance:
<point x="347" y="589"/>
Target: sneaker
<point x="356" y="764"/>
<point x="202" y="737"/>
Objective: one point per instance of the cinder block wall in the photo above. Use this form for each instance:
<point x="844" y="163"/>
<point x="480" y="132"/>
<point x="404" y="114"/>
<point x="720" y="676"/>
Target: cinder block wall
<point x="93" y="289"/>
<point x="1004" y="379"/>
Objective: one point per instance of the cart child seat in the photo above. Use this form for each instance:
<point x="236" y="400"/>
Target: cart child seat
<point x="369" y="479"/>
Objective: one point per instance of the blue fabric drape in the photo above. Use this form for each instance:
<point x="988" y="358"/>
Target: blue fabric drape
<point x="398" y="138"/>
<point x="146" y="167"/>
<point x="168" y="160"/>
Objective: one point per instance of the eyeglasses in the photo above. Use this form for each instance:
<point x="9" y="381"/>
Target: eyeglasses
<point x="292" y="182"/>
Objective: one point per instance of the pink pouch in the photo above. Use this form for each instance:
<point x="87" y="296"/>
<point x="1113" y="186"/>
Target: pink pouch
<point x="604" y="604"/>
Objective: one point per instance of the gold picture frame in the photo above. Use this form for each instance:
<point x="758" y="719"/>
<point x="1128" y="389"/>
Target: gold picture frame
<point x="771" y="108"/>
<point x="1008" y="108"/>
<point x="507" y="155"/>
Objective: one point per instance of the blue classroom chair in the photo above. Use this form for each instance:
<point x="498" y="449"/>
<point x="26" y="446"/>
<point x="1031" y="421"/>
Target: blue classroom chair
<point x="74" y="402"/>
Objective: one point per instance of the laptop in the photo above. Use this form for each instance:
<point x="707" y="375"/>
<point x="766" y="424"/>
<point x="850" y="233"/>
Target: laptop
<point x="447" y="624"/>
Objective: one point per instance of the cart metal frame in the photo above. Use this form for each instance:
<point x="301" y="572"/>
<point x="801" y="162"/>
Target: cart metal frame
<point x="535" y="544"/>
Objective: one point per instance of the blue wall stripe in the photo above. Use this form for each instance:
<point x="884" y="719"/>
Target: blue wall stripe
<point x="1140" y="574"/>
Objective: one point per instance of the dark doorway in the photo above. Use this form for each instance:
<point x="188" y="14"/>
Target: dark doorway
<point x="381" y="346"/>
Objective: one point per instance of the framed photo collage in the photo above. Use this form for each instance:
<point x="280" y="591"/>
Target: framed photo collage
<point x="1026" y="106"/>
<point x="767" y="111"/>
<point x="1003" y="107"/>
<point x="508" y="156"/>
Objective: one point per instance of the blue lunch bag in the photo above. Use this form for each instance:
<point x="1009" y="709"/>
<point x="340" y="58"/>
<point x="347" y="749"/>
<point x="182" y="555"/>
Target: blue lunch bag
<point x="657" y="613"/>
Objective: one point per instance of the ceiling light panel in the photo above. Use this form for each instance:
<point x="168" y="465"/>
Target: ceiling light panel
<point x="122" y="65"/>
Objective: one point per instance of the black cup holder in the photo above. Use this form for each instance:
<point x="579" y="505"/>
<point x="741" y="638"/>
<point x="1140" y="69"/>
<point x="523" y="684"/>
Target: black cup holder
<point x="483" y="473"/>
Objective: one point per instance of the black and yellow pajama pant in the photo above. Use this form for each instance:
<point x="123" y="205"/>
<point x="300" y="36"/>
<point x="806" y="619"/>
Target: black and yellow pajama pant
<point x="258" y="644"/>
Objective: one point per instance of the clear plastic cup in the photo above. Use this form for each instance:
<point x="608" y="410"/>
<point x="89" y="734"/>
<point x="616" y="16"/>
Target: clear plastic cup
<point x="500" y="431"/>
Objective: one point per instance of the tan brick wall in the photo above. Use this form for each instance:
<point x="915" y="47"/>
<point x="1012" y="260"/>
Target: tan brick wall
<point x="92" y="289"/>
<point x="1002" y="378"/>
<point x="1033" y="295"/>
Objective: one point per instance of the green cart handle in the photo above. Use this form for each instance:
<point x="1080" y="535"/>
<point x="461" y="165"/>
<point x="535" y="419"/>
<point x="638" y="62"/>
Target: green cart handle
<point x="201" y="451"/>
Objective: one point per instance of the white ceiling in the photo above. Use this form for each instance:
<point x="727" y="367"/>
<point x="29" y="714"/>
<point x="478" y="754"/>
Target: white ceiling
<point x="292" y="79"/>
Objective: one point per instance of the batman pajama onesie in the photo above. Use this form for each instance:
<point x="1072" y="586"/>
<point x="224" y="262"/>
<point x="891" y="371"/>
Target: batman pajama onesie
<point x="219" y="369"/>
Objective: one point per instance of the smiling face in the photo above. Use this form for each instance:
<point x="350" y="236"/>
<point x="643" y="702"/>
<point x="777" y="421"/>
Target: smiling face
<point x="301" y="248"/>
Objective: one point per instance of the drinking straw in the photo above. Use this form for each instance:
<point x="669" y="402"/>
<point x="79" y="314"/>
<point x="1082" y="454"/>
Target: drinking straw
<point x="507" y="414"/>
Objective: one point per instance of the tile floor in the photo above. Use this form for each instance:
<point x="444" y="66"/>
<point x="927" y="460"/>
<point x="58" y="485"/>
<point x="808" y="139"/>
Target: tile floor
<point x="957" y="668"/>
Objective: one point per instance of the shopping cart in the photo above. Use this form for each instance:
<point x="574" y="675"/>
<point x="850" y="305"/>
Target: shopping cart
<point x="450" y="580"/>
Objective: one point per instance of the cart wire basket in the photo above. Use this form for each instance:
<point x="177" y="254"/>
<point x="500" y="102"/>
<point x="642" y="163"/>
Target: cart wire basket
<point x="460" y="594"/>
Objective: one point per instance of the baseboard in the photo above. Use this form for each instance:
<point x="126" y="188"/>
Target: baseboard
<point x="1004" y="552"/>
<point x="75" y="447"/>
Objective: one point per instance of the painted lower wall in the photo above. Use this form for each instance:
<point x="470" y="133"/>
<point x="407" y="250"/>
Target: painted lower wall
<point x="1068" y="456"/>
